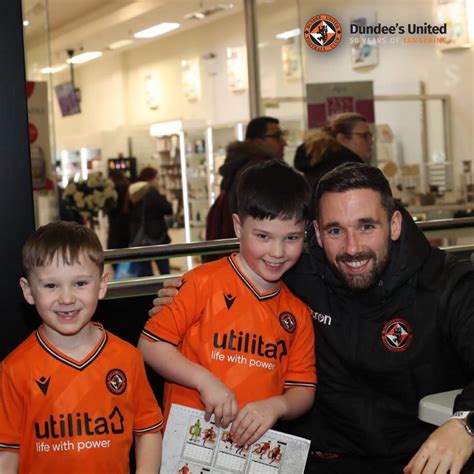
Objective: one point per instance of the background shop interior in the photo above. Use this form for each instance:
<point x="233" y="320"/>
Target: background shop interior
<point x="176" y="100"/>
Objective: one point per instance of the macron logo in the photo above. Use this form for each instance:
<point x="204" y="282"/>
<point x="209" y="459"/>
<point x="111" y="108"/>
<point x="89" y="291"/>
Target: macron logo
<point x="43" y="384"/>
<point x="321" y="318"/>
<point x="229" y="300"/>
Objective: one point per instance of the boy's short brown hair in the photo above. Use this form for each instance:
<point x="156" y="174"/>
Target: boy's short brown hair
<point x="61" y="239"/>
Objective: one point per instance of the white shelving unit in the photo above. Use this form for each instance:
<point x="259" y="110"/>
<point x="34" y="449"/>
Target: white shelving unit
<point x="189" y="155"/>
<point x="182" y="162"/>
<point x="217" y="139"/>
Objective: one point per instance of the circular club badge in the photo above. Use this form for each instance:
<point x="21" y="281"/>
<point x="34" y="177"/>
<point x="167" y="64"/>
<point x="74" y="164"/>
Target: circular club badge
<point x="322" y="33"/>
<point x="288" y="322"/>
<point x="116" y="381"/>
<point x="397" y="335"/>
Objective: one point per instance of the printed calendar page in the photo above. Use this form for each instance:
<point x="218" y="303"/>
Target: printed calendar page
<point x="192" y="445"/>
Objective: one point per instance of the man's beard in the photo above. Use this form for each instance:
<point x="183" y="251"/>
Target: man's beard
<point x="367" y="280"/>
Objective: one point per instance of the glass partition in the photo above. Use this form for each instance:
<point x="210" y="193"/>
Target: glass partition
<point x="423" y="105"/>
<point x="421" y="86"/>
<point x="195" y="73"/>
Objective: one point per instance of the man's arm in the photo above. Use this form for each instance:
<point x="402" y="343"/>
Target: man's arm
<point x="447" y="449"/>
<point x="255" y="418"/>
<point x="148" y="453"/>
<point x="165" y="295"/>
<point x="8" y="462"/>
<point x="166" y="359"/>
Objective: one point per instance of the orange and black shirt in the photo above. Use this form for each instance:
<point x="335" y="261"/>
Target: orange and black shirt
<point x="258" y="344"/>
<point x="73" y="416"/>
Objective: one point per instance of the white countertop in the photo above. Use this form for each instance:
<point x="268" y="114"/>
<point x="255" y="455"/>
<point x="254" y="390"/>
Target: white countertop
<point x="437" y="408"/>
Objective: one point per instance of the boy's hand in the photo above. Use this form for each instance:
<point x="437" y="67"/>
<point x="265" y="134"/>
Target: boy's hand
<point x="165" y="294"/>
<point x="254" y="419"/>
<point x="219" y="399"/>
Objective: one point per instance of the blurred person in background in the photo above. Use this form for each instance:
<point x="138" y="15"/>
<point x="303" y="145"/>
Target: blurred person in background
<point x="267" y="133"/>
<point x="264" y="140"/>
<point x="149" y="206"/>
<point x="346" y="138"/>
<point x="119" y="219"/>
<point x="349" y="130"/>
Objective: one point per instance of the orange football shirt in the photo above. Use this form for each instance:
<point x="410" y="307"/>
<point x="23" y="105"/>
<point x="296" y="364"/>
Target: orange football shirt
<point x="70" y="416"/>
<point x="258" y="344"/>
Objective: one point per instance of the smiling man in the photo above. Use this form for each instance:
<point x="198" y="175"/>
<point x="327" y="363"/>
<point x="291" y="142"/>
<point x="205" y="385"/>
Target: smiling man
<point x="398" y="324"/>
<point x="356" y="235"/>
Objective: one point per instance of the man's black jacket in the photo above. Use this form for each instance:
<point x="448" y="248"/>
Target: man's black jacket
<point x="380" y="351"/>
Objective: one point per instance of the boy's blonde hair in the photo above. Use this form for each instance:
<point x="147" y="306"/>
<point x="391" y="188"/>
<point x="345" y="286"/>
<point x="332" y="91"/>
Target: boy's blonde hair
<point x="65" y="240"/>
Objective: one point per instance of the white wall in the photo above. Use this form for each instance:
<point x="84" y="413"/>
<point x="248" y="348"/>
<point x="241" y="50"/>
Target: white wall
<point x="113" y="89"/>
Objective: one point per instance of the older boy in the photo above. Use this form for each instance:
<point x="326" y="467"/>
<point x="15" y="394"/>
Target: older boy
<point x="72" y="394"/>
<point x="235" y="340"/>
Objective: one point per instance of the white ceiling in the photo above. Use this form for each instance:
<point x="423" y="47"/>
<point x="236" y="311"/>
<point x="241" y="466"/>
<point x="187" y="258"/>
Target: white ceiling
<point x="91" y="25"/>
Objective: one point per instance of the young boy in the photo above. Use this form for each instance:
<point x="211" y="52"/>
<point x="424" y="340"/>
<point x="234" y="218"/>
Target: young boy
<point x="235" y="342"/>
<point x="72" y="394"/>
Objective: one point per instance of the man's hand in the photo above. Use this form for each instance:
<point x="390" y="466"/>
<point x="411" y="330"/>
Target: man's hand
<point x="446" y="450"/>
<point x="165" y="294"/>
<point x="219" y="399"/>
<point x="254" y="419"/>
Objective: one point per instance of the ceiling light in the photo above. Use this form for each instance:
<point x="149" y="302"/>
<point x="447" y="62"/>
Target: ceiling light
<point x="120" y="44"/>
<point x="26" y="22"/>
<point x="84" y="57"/>
<point x="195" y="16"/>
<point x="288" y="34"/>
<point x="157" y="30"/>
<point x="201" y="14"/>
<point x="53" y="69"/>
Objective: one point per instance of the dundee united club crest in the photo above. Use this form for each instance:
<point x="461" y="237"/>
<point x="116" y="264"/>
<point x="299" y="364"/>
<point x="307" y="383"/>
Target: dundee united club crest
<point x="116" y="381"/>
<point x="288" y="322"/>
<point x="397" y="335"/>
<point x="322" y="33"/>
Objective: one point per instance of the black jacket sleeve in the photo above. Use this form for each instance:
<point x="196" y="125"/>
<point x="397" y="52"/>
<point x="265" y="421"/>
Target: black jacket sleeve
<point x="301" y="160"/>
<point x="459" y="316"/>
<point x="157" y="203"/>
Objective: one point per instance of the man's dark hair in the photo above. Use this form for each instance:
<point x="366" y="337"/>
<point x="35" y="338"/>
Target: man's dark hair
<point x="272" y="190"/>
<point x="258" y="126"/>
<point x="350" y="176"/>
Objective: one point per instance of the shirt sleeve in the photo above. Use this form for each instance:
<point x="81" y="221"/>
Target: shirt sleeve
<point x="301" y="358"/>
<point x="148" y="416"/>
<point x="12" y="409"/>
<point x="171" y="323"/>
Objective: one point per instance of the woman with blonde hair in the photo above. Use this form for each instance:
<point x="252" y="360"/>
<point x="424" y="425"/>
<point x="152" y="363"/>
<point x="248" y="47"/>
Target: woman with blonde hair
<point x="345" y="138"/>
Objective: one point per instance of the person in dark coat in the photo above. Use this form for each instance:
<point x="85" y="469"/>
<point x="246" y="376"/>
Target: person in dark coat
<point x="239" y="156"/>
<point x="148" y="204"/>
<point x="264" y="140"/>
<point x="346" y="138"/>
<point x="119" y="219"/>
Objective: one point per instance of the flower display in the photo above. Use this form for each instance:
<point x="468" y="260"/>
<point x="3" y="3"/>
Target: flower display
<point x="90" y="196"/>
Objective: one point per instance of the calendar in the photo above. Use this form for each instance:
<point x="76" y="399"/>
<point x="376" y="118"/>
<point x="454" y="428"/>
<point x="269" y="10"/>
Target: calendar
<point x="192" y="445"/>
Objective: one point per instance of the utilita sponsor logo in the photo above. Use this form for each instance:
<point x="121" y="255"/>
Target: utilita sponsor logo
<point x="79" y="424"/>
<point x="249" y="344"/>
<point x="321" y="318"/>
